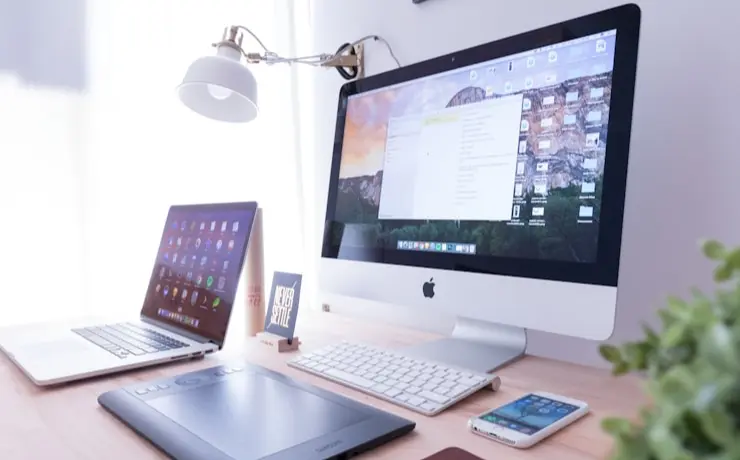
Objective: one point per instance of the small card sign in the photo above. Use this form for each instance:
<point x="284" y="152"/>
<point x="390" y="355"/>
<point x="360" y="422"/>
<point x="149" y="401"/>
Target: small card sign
<point x="282" y="310"/>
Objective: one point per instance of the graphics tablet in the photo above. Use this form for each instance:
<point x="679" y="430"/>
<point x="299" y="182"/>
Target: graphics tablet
<point x="246" y="412"/>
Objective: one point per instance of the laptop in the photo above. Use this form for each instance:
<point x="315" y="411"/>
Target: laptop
<point x="186" y="308"/>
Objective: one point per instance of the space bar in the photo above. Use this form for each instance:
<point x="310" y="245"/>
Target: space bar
<point x="349" y="378"/>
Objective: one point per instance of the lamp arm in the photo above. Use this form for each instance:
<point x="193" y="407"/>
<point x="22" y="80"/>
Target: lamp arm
<point x="337" y="59"/>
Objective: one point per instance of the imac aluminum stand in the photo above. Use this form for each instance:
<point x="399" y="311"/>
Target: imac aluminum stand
<point x="476" y="345"/>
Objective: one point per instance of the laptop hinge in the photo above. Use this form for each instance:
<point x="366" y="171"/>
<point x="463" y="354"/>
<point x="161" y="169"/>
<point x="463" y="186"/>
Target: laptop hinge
<point x="176" y="330"/>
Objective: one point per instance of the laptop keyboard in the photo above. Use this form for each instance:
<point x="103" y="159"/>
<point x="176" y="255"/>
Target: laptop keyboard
<point x="126" y="339"/>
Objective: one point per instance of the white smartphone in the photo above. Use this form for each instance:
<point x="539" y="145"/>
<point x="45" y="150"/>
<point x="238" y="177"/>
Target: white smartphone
<point x="528" y="420"/>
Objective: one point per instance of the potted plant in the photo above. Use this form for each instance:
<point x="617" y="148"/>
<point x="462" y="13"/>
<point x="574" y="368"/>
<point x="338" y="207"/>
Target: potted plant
<point x="693" y="375"/>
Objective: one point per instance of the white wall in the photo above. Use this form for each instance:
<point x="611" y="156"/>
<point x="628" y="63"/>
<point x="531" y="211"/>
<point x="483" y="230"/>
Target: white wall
<point x="683" y="164"/>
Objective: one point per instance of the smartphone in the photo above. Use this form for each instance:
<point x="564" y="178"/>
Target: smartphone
<point x="528" y="420"/>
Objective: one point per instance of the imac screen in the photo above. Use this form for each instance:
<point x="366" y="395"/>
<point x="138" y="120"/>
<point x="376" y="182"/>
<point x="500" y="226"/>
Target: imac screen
<point x="504" y="158"/>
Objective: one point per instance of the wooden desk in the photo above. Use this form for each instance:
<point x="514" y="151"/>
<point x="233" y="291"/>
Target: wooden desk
<point x="67" y="423"/>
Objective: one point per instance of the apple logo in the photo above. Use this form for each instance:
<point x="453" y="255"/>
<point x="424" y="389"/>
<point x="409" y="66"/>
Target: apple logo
<point x="428" y="288"/>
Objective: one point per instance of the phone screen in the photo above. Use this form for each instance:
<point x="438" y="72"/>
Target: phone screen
<point x="529" y="414"/>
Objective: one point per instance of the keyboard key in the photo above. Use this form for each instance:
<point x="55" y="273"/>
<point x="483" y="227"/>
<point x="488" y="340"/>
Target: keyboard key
<point x="448" y="384"/>
<point x="321" y="368"/>
<point x="470" y="381"/>
<point x="403" y="397"/>
<point x="429" y="386"/>
<point x="351" y="369"/>
<point x="436" y="380"/>
<point x="406" y="379"/>
<point x="391" y="382"/>
<point x="458" y="390"/>
<point x="433" y="397"/>
<point x="402" y="386"/>
<point x="370" y="375"/>
<point x="397" y="376"/>
<point x="380" y="388"/>
<point x="418" y="383"/>
<point x="414" y="374"/>
<point x="385" y="373"/>
<point x="431" y="407"/>
<point x="380" y="378"/>
<point x="425" y="377"/>
<point x="393" y="392"/>
<point x="413" y="390"/>
<point x="353" y="379"/>
<point x="416" y="401"/>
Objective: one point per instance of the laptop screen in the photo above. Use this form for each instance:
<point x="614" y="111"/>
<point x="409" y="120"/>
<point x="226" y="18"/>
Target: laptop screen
<point x="199" y="261"/>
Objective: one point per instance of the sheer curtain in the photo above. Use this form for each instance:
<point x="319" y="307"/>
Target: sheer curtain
<point x="43" y="111"/>
<point x="109" y="160"/>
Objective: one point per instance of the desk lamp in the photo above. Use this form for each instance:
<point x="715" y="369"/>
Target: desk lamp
<point x="220" y="87"/>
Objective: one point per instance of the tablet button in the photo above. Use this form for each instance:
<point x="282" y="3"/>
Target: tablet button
<point x="185" y="381"/>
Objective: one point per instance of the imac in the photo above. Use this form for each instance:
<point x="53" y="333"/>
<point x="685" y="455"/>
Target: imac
<point x="490" y="184"/>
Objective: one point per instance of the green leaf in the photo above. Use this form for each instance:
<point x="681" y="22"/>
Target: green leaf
<point x="616" y="426"/>
<point x="733" y="259"/>
<point x="678" y="386"/>
<point x="650" y="336"/>
<point x="705" y="397"/>
<point x="636" y="355"/>
<point x="674" y="335"/>
<point x="713" y="249"/>
<point x="718" y="347"/>
<point x="723" y="273"/>
<point x="702" y="314"/>
<point x="665" y="445"/>
<point x="632" y="447"/>
<point x="718" y="426"/>
<point x="621" y="368"/>
<point x="611" y="353"/>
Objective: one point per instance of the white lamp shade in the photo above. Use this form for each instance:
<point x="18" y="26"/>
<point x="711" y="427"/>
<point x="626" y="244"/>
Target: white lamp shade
<point x="221" y="88"/>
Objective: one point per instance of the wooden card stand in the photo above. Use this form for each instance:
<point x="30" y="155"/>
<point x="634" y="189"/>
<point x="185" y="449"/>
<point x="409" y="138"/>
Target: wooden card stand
<point x="279" y="344"/>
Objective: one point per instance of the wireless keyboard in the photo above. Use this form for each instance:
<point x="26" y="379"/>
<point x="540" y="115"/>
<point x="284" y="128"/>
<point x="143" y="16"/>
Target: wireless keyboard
<point x="423" y="386"/>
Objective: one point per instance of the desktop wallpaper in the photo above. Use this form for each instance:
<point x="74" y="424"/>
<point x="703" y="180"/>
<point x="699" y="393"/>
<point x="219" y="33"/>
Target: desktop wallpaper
<point x="562" y="92"/>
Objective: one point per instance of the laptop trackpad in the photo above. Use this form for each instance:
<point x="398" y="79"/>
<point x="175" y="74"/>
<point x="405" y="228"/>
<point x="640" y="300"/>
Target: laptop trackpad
<point x="250" y="415"/>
